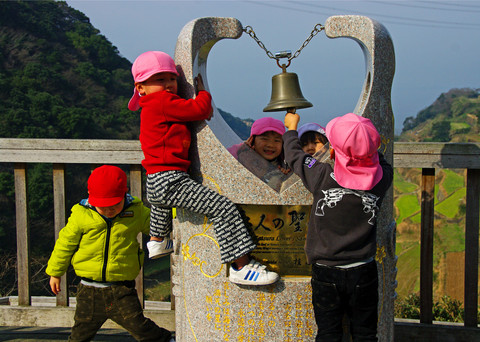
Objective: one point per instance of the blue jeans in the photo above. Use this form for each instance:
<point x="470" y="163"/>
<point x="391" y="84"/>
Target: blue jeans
<point x="351" y="291"/>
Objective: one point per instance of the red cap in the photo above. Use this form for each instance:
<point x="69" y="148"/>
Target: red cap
<point x="107" y="186"/>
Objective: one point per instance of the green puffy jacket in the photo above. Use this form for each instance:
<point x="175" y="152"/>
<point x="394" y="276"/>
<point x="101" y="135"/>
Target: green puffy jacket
<point x="98" y="248"/>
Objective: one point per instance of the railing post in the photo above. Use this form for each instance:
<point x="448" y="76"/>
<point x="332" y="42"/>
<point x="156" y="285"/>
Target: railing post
<point x="426" y="245"/>
<point x="23" y="236"/>
<point x="59" y="220"/>
<point x="471" y="247"/>
<point x="136" y="190"/>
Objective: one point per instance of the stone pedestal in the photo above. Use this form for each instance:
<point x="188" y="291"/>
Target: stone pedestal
<point x="209" y="307"/>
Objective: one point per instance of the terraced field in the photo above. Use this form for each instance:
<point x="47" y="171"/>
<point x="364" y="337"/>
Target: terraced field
<point x="449" y="236"/>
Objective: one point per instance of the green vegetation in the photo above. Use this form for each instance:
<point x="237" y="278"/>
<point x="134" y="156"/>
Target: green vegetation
<point x="65" y="79"/>
<point x="450" y="206"/>
<point x="453" y="116"/>
<point x="417" y="218"/>
<point x="406" y="206"/>
<point x="445" y="309"/>
<point x="408" y="268"/>
<point x="460" y="127"/>
<point x="401" y="185"/>
<point x="157" y="279"/>
<point x="449" y="225"/>
<point x="453" y="181"/>
<point x="450" y="238"/>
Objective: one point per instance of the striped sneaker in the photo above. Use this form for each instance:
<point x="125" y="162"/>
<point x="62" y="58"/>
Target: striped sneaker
<point x="157" y="249"/>
<point x="254" y="273"/>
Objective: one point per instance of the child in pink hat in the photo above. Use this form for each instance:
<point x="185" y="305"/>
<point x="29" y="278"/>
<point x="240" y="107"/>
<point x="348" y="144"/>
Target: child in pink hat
<point x="341" y="239"/>
<point x="262" y="152"/>
<point x="165" y="139"/>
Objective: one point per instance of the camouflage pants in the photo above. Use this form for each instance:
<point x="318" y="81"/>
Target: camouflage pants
<point x="118" y="303"/>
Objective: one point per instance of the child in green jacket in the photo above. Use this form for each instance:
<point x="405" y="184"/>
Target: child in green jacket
<point x="100" y="241"/>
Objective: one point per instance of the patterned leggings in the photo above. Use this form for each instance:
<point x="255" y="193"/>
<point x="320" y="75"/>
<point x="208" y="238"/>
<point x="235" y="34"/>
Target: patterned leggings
<point x="169" y="189"/>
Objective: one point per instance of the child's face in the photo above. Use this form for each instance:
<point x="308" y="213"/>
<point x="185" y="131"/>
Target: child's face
<point x="268" y="145"/>
<point x="163" y="81"/>
<point x="312" y="147"/>
<point x="312" y="142"/>
<point x="111" y="211"/>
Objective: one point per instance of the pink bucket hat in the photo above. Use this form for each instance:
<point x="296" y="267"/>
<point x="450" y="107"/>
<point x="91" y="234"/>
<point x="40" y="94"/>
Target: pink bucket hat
<point x="355" y="141"/>
<point x="145" y="66"/>
<point x="311" y="126"/>
<point x="263" y="125"/>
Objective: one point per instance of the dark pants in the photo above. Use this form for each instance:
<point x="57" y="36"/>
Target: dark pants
<point x="350" y="291"/>
<point x="120" y="304"/>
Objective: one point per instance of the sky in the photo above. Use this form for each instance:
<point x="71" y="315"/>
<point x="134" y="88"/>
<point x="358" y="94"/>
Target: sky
<point x="437" y="48"/>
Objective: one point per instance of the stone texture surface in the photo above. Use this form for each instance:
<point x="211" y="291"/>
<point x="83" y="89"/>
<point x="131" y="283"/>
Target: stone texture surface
<point x="209" y="307"/>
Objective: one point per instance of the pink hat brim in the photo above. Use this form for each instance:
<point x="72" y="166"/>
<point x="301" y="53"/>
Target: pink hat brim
<point x="358" y="177"/>
<point x="134" y="104"/>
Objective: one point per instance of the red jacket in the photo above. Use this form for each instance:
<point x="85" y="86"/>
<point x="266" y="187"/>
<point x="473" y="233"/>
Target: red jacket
<point x="164" y="134"/>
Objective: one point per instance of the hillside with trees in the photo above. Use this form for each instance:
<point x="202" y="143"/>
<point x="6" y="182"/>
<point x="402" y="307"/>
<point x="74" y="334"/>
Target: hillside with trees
<point x="453" y="117"/>
<point x="59" y="78"/>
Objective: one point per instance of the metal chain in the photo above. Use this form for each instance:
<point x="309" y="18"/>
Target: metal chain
<point x="318" y="28"/>
<point x="249" y="30"/>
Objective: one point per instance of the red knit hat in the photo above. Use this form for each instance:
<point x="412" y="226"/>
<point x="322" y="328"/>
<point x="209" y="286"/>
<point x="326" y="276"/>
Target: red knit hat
<point x="107" y="186"/>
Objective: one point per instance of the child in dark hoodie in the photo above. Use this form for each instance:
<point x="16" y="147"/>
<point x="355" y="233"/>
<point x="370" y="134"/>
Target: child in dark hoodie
<point x="341" y="239"/>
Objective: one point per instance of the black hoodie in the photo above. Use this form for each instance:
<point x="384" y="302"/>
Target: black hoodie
<point x="343" y="222"/>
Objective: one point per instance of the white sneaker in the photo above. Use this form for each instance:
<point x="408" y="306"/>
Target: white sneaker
<point x="157" y="249"/>
<point x="254" y="273"/>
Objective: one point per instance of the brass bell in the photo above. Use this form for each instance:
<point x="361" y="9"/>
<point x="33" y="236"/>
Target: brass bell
<point x="286" y="93"/>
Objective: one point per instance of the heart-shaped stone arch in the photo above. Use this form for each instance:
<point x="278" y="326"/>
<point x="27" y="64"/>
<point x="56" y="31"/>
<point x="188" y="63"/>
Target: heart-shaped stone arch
<point x="217" y="168"/>
<point x="210" y="139"/>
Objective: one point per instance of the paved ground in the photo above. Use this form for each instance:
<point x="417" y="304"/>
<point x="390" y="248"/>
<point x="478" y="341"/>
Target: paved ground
<point x="43" y="334"/>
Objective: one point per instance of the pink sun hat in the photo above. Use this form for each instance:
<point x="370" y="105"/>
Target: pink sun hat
<point x="355" y="141"/>
<point x="263" y="125"/>
<point x="145" y="66"/>
<point x="259" y="127"/>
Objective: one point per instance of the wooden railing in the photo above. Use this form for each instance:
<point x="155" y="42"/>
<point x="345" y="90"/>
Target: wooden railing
<point x="427" y="156"/>
<point x="60" y="153"/>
